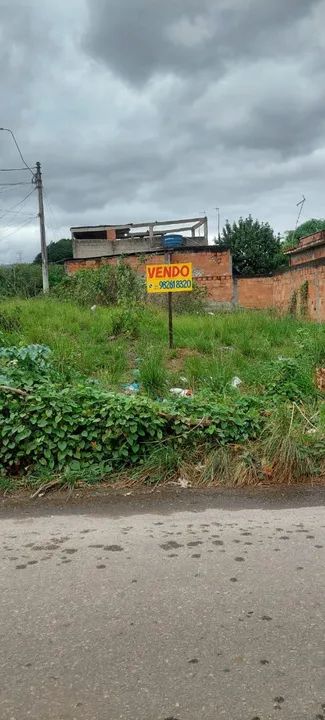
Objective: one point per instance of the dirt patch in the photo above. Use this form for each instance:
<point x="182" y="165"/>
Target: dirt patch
<point x="175" y="364"/>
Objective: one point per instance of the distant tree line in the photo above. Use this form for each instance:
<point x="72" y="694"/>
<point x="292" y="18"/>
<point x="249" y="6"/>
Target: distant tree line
<point x="57" y="251"/>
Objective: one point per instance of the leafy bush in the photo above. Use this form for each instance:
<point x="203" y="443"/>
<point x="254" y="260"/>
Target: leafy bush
<point x="59" y="428"/>
<point x="291" y="380"/>
<point x="54" y="425"/>
<point x="107" y="285"/>
<point x="25" y="367"/>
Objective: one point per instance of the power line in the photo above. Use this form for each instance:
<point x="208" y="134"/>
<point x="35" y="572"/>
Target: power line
<point x="19" y="150"/>
<point x="15" y="183"/>
<point x="18" y="227"/>
<point x="13" y="169"/>
<point x="12" y="212"/>
<point x="20" y="202"/>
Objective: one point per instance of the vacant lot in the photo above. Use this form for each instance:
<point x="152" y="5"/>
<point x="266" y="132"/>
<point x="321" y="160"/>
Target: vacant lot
<point x="251" y="376"/>
<point x="110" y="343"/>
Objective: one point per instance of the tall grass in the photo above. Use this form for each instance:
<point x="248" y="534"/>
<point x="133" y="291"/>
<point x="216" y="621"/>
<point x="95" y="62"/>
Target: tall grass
<point x="152" y="372"/>
<point x="210" y="349"/>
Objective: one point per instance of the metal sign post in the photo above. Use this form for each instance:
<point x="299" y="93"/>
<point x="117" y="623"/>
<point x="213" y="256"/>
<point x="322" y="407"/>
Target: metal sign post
<point x="168" y="258"/>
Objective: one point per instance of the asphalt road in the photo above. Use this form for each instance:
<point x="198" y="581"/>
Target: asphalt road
<point x="180" y="608"/>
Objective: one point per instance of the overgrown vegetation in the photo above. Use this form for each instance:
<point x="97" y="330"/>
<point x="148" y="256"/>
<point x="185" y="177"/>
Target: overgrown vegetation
<point x="65" y="372"/>
<point x="107" y="285"/>
<point x="25" y="281"/>
<point x="293" y="237"/>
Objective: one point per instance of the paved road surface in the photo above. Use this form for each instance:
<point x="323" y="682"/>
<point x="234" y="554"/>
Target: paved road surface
<point x="168" y="610"/>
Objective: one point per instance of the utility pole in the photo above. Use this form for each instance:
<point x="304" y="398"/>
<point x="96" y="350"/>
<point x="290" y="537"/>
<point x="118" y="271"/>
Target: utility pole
<point x="37" y="180"/>
<point x="45" y="267"/>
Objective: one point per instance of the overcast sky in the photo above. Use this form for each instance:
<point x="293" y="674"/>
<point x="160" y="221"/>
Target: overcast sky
<point x="150" y="109"/>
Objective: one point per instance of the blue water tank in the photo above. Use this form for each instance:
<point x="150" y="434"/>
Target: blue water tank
<point x="173" y="242"/>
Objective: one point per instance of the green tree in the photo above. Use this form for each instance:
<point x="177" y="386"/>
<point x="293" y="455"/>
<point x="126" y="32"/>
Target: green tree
<point x="255" y="249"/>
<point x="292" y="237"/>
<point x="57" y="251"/>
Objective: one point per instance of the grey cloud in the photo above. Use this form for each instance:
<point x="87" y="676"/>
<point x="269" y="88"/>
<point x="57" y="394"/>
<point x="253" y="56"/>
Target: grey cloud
<point x="139" y="39"/>
<point x="150" y="108"/>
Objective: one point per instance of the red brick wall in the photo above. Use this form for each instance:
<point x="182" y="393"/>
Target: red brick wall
<point x="285" y="284"/>
<point x="277" y="291"/>
<point x="310" y="239"/>
<point x="213" y="270"/>
<point x="254" y="292"/>
<point x="312" y="253"/>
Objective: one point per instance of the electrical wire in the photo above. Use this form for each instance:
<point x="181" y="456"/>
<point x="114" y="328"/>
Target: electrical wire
<point x="13" y="169"/>
<point x="18" y="228"/>
<point x="15" y="183"/>
<point x="13" y="212"/>
<point x="12" y="208"/>
<point x="19" y="150"/>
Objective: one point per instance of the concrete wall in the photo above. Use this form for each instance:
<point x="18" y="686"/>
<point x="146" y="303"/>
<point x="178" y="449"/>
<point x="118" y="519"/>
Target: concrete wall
<point x="112" y="247"/>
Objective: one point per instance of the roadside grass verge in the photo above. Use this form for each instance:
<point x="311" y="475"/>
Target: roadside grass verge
<point x="105" y="343"/>
<point x="76" y="426"/>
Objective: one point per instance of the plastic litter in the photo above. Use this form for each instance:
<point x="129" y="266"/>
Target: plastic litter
<point x="181" y="392"/>
<point x="93" y="307"/>
<point x="131" y="388"/>
<point x="236" y="381"/>
<point x="183" y="483"/>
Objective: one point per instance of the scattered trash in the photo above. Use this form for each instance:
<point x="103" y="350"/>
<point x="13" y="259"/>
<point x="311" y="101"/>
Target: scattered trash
<point x="311" y="431"/>
<point x="184" y="379"/>
<point x="236" y="381"/>
<point x="211" y="313"/>
<point x="181" y="392"/>
<point x="226" y="347"/>
<point x="183" y="483"/>
<point x="131" y="388"/>
<point x="93" y="307"/>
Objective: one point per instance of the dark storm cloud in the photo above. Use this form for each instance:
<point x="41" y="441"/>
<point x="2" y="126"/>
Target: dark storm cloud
<point x="141" y="109"/>
<point x="139" y="38"/>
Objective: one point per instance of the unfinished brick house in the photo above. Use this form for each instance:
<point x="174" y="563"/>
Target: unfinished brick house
<point x="299" y="289"/>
